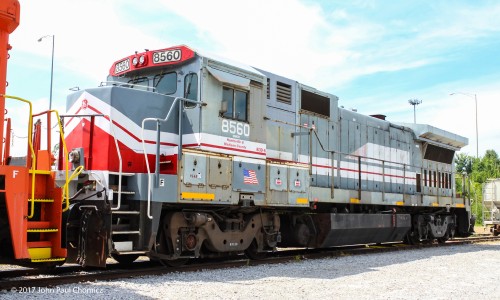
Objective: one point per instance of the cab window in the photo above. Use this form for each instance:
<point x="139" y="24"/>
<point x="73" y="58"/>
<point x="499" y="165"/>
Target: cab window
<point x="234" y="104"/>
<point x="191" y="88"/>
<point x="140" y="83"/>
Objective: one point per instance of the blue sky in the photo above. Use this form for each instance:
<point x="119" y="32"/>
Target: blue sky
<point x="374" y="55"/>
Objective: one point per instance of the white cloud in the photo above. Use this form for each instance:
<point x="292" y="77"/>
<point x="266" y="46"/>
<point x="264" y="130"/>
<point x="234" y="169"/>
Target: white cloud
<point x="300" y="40"/>
<point x="89" y="35"/>
<point x="452" y="113"/>
<point x="285" y="37"/>
<point x="457" y="114"/>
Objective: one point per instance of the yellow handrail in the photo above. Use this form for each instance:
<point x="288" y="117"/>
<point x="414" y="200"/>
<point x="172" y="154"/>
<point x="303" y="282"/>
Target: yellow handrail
<point x="76" y="172"/>
<point x="33" y="155"/>
<point x="65" y="156"/>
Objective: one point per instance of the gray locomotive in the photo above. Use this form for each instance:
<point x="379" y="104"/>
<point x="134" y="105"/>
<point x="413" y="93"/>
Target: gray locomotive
<point x="189" y="155"/>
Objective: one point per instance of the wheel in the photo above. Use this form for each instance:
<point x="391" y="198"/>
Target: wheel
<point x="412" y="238"/>
<point x="252" y="252"/>
<point x="427" y="241"/>
<point x="165" y="248"/>
<point x="125" y="259"/>
<point x="445" y="237"/>
<point x="496" y="230"/>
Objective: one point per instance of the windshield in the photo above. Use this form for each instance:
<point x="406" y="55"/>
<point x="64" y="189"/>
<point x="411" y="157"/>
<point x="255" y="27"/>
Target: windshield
<point x="160" y="83"/>
<point x="166" y="83"/>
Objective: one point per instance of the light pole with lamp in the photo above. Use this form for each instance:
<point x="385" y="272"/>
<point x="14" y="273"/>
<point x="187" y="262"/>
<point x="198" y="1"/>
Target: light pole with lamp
<point x="414" y="102"/>
<point x="51" y="67"/>
<point x="475" y="101"/>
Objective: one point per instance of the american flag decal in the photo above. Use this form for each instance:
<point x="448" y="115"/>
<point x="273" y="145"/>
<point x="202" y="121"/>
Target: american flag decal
<point x="249" y="177"/>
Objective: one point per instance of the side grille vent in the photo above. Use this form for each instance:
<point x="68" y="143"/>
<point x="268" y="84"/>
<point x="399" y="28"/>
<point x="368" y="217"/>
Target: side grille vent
<point x="268" y="88"/>
<point x="283" y="92"/>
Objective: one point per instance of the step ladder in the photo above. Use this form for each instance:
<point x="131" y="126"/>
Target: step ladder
<point x="44" y="220"/>
<point x="125" y="231"/>
<point x="126" y="221"/>
<point x="33" y="201"/>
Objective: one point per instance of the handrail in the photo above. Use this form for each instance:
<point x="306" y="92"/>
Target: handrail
<point x="120" y="160"/>
<point x="398" y="164"/>
<point x="120" y="166"/>
<point x="158" y="120"/>
<point x="358" y="158"/>
<point x="126" y="84"/>
<point x="65" y="153"/>
<point x="354" y="156"/>
<point x="75" y="173"/>
<point x="33" y="156"/>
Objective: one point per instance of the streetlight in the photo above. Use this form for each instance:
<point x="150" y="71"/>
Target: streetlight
<point x="51" y="67"/>
<point x="475" y="101"/>
<point x="414" y="102"/>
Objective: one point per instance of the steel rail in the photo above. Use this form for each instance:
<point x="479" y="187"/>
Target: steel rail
<point x="18" y="279"/>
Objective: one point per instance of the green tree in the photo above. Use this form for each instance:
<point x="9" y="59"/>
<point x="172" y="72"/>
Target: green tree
<point x="463" y="162"/>
<point x="478" y="171"/>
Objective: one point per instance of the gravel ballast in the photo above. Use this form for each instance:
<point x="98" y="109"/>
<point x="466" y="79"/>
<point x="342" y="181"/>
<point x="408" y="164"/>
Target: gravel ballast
<point x="453" y="272"/>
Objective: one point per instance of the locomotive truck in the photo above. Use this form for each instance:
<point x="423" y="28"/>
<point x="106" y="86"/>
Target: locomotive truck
<point x="181" y="154"/>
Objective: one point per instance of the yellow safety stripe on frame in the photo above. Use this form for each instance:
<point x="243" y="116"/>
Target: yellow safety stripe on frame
<point x="400" y="203"/>
<point x="434" y="204"/>
<point x="42" y="230"/>
<point x="44" y="200"/>
<point x="302" y="201"/>
<point x="459" y="205"/>
<point x="197" y="196"/>
<point x="355" y="200"/>
<point x="48" y="259"/>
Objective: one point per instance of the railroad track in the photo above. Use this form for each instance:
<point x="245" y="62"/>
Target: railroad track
<point x="26" y="280"/>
